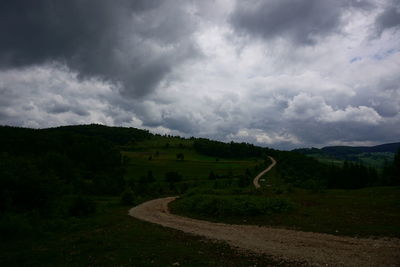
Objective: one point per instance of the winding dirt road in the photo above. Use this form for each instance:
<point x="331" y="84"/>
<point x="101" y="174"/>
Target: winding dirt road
<point x="315" y="249"/>
<point x="256" y="180"/>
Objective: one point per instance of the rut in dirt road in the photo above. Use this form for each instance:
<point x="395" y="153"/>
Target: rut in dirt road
<point x="315" y="249"/>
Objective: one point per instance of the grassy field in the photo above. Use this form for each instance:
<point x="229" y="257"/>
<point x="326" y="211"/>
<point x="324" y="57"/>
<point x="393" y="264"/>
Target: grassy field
<point x="376" y="159"/>
<point x="112" y="238"/>
<point x="156" y="156"/>
<point x="327" y="160"/>
<point x="363" y="212"/>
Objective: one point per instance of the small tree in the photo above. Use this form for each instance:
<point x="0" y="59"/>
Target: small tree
<point x="172" y="177"/>
<point x="396" y="164"/>
<point x="127" y="197"/>
<point x="81" y="206"/>
<point x="212" y="176"/>
<point x="180" y="156"/>
<point x="247" y="172"/>
<point x="150" y="177"/>
<point x="243" y="181"/>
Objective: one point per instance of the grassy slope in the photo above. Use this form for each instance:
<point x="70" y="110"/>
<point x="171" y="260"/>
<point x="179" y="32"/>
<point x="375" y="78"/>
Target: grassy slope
<point x="194" y="167"/>
<point x="363" y="212"/>
<point x="112" y="238"/>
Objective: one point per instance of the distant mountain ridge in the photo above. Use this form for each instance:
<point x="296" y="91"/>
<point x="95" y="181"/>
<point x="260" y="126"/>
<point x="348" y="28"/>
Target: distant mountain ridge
<point x="390" y="147"/>
<point x="370" y="155"/>
<point x="344" y="150"/>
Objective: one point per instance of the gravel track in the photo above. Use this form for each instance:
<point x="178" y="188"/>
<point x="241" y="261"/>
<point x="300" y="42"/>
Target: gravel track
<point x="256" y="180"/>
<point x="314" y="249"/>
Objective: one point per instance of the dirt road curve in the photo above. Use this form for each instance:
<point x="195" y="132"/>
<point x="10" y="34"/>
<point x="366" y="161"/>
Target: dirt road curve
<point x="313" y="248"/>
<point x="255" y="181"/>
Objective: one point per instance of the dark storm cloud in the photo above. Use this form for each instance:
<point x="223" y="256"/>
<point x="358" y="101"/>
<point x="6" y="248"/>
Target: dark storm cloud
<point x="121" y="41"/>
<point x="181" y="123"/>
<point x="301" y="21"/>
<point x="389" y="18"/>
<point x="57" y="108"/>
<point x="183" y="67"/>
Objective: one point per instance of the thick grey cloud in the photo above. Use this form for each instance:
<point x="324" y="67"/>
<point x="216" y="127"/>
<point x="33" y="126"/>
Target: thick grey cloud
<point x="275" y="73"/>
<point x="389" y="18"/>
<point x="302" y="21"/>
<point x="131" y="42"/>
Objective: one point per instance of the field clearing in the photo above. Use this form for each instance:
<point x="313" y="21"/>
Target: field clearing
<point x="363" y="212"/>
<point x="193" y="167"/>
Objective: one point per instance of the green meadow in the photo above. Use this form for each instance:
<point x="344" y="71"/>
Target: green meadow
<point x="367" y="212"/>
<point x="112" y="238"/>
<point x="160" y="156"/>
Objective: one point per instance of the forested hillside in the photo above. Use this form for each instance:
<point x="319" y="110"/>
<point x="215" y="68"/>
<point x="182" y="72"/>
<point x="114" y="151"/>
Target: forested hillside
<point x="54" y="181"/>
<point x="38" y="167"/>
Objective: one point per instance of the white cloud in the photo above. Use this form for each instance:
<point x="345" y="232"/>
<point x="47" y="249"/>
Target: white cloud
<point x="52" y="95"/>
<point x="340" y="88"/>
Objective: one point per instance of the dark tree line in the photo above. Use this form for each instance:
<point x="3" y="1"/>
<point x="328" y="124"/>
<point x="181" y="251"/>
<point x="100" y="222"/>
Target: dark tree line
<point x="308" y="172"/>
<point x="348" y="152"/>
<point x="391" y="171"/>
<point x="228" y="150"/>
<point x="114" y="135"/>
<point x="38" y="167"/>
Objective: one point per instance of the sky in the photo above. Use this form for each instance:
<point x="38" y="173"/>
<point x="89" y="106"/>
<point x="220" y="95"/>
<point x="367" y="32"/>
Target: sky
<point x="276" y="73"/>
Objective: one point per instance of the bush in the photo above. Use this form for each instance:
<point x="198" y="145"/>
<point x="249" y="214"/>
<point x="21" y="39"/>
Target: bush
<point x="173" y="177"/>
<point x="81" y="206"/>
<point x="231" y="205"/>
<point x="14" y="225"/>
<point x="127" y="197"/>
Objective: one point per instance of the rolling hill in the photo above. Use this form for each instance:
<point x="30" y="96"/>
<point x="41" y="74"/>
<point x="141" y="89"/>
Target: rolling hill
<point x="375" y="156"/>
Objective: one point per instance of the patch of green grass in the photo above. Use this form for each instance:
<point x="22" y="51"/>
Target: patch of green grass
<point x="112" y="238"/>
<point x="376" y="159"/>
<point x="232" y="205"/>
<point x="363" y="212"/>
<point x="327" y="159"/>
<point x="194" y="166"/>
<point x="373" y="159"/>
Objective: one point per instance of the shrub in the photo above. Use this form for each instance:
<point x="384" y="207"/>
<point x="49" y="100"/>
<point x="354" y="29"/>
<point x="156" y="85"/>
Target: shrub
<point x="173" y="177"/>
<point x="231" y="205"/>
<point x="127" y="197"/>
<point x="81" y="206"/>
<point x="14" y="225"/>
